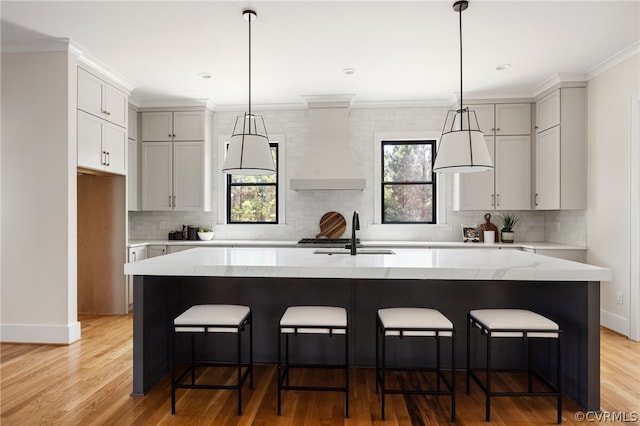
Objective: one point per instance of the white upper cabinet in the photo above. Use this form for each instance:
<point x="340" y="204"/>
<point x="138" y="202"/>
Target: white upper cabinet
<point x="513" y="119"/>
<point x="173" y="126"/>
<point x="507" y="129"/>
<point x="173" y="176"/>
<point x="101" y="145"/>
<point x="561" y="150"/>
<point x="548" y="111"/>
<point x="101" y="99"/>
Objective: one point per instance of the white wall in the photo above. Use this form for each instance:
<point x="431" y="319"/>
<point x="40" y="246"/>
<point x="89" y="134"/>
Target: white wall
<point x="608" y="183"/>
<point x="38" y="198"/>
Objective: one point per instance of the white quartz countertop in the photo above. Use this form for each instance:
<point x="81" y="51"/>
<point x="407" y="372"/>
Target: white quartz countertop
<point x="536" y="245"/>
<point x="406" y="263"/>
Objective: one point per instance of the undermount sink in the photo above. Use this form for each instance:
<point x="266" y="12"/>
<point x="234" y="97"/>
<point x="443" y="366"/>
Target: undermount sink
<point x="360" y="251"/>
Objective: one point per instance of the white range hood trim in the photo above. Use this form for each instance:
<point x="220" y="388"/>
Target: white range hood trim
<point x="298" y="184"/>
<point x="328" y="146"/>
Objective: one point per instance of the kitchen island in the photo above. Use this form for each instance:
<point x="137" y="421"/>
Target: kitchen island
<point x="451" y="280"/>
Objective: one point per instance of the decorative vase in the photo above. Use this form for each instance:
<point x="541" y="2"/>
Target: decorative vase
<point x="507" y="236"/>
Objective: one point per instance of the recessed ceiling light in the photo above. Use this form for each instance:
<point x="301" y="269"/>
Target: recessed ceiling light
<point x="349" y="71"/>
<point x="205" y="75"/>
<point x="503" y="67"/>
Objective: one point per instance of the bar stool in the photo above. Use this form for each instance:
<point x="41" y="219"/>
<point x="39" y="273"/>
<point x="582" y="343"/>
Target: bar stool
<point x="298" y="320"/>
<point x="206" y="320"/>
<point x="414" y="322"/>
<point x="521" y="324"/>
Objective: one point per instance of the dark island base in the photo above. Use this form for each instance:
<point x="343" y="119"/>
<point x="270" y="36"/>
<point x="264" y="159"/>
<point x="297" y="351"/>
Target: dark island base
<point x="575" y="306"/>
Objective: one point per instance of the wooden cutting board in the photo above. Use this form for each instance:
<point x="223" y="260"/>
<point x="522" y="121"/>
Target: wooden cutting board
<point x="332" y="225"/>
<point x="488" y="226"/>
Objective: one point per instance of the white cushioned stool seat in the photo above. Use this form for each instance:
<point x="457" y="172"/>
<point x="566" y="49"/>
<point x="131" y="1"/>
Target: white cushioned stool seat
<point x="515" y="319"/>
<point x="412" y="318"/>
<point x="296" y="317"/>
<point x="199" y="323"/>
<point x="323" y="320"/>
<point x="226" y="317"/>
<point x="415" y="322"/>
<point x="526" y="326"/>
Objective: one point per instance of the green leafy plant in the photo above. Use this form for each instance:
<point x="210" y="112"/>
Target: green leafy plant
<point x="509" y="222"/>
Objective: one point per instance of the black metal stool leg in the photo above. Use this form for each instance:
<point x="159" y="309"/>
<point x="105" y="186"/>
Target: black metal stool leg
<point x="173" y="371"/>
<point x="453" y="376"/>
<point x="469" y="325"/>
<point x="488" y="373"/>
<point x="279" y="370"/>
<point x="560" y="377"/>
<point x="239" y="385"/>
<point x="251" y="352"/>
<point x="346" y="372"/>
<point x="438" y="361"/>
<point x="383" y="370"/>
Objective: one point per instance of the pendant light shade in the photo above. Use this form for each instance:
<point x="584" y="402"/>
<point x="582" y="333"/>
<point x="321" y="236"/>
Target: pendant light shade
<point x="462" y="148"/>
<point x="249" y="152"/>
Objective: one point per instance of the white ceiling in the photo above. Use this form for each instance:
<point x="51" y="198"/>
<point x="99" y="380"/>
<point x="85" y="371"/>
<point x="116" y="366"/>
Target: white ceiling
<point x="403" y="51"/>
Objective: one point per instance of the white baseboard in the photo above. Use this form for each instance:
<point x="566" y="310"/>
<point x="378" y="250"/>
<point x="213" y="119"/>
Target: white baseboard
<point x="33" y="333"/>
<point x="614" y="322"/>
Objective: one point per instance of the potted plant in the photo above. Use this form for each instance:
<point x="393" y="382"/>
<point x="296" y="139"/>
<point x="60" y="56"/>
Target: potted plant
<point x="508" y="223"/>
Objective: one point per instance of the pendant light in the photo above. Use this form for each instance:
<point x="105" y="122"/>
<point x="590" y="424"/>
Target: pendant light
<point x="249" y="153"/>
<point x="462" y="148"/>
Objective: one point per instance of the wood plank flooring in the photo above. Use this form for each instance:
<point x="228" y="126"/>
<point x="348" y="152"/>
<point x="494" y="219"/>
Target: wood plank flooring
<point x="89" y="383"/>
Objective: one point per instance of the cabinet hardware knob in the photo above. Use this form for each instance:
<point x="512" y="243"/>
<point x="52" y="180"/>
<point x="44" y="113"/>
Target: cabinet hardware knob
<point x="536" y="200"/>
<point x="170" y="201"/>
<point x="108" y="159"/>
<point x="492" y="198"/>
<point x="498" y="200"/>
<point x="174" y="201"/>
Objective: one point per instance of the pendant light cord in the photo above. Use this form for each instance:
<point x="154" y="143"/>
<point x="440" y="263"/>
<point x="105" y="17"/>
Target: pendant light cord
<point x="461" y="103"/>
<point x="249" y="64"/>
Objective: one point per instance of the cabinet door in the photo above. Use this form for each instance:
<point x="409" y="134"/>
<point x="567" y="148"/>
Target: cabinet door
<point x="513" y="119"/>
<point x="156" y="250"/>
<point x="89" y="93"/>
<point x="513" y="172"/>
<point x="114" y="144"/>
<point x="115" y="106"/>
<point x="486" y="117"/>
<point x="188" y="125"/>
<point x="132" y="124"/>
<point x="132" y="176"/>
<point x="548" y="111"/>
<point x="90" y="152"/>
<point x="476" y="190"/>
<point x="188" y="176"/>
<point x="157" y="126"/>
<point x="157" y="176"/>
<point x="547" y="196"/>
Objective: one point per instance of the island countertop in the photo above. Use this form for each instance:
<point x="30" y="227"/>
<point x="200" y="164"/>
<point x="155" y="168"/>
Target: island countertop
<point x="443" y="264"/>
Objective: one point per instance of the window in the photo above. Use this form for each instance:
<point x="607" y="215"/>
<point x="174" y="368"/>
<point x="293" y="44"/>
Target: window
<point x="408" y="182"/>
<point x="253" y="199"/>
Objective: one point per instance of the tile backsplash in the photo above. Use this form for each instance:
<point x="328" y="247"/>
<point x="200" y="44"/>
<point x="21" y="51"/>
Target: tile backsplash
<point x="303" y="209"/>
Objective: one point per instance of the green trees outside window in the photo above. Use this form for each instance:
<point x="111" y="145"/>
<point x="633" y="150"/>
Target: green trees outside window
<point x="253" y="199"/>
<point x="408" y="182"/>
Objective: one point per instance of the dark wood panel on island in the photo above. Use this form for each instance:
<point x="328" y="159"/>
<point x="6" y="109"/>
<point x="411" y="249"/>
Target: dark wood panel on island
<point x="574" y="305"/>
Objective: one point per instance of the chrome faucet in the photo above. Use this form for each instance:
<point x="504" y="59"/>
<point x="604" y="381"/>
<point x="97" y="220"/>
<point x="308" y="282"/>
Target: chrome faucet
<point x="355" y="226"/>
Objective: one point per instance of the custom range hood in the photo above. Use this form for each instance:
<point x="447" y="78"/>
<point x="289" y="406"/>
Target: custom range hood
<point x="328" y="162"/>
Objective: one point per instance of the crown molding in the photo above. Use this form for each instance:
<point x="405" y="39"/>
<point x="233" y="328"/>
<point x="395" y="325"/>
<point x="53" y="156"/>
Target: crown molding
<point x="614" y="60"/>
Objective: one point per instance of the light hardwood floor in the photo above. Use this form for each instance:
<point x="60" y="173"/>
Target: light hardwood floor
<point x="89" y="383"/>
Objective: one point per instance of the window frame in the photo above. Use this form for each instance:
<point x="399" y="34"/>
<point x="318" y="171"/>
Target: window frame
<point x="433" y="182"/>
<point x="222" y="197"/>
<point x="229" y="185"/>
<point x="444" y="184"/>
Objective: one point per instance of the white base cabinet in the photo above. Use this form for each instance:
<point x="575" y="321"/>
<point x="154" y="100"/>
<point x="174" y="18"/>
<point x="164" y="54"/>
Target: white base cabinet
<point x="135" y="254"/>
